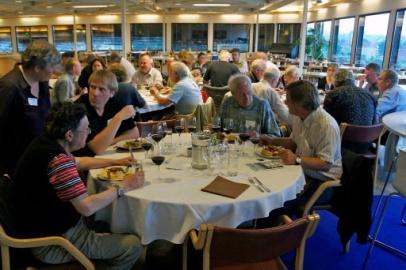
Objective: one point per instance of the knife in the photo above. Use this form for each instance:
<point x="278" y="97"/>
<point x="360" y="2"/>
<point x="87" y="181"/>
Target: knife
<point x="262" y="184"/>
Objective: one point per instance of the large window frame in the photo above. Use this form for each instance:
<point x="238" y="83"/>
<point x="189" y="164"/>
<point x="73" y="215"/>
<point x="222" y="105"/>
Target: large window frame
<point x="398" y="52"/>
<point x="6" y="42"/>
<point x="318" y="30"/>
<point x="288" y="33"/>
<point x="190" y="36"/>
<point x="80" y="35"/>
<point x="241" y="42"/>
<point x="266" y="36"/>
<point x="152" y="36"/>
<point x="116" y="43"/>
<point x="31" y="33"/>
<point x="363" y="54"/>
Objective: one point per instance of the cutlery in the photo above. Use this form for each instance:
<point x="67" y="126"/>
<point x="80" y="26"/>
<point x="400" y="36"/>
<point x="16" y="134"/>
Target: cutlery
<point x="255" y="184"/>
<point x="262" y="184"/>
<point x="171" y="168"/>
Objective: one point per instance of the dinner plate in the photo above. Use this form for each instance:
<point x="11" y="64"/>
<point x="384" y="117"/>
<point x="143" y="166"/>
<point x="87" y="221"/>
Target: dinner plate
<point x="259" y="152"/>
<point x="135" y="143"/>
<point x="115" y="173"/>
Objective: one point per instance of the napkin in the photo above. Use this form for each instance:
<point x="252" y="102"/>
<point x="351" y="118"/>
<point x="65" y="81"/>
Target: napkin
<point x="224" y="187"/>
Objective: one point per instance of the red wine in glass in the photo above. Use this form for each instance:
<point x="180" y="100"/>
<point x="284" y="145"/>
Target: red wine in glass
<point x="157" y="137"/>
<point x="192" y="129"/>
<point x="146" y="146"/>
<point x="162" y="133"/>
<point x="244" y="136"/>
<point x="158" y="160"/>
<point x="179" y="129"/>
<point x="216" y="128"/>
<point x="254" y="140"/>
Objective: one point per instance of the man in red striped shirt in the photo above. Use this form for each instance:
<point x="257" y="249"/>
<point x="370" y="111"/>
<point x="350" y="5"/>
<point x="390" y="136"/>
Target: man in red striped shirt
<point x="51" y="198"/>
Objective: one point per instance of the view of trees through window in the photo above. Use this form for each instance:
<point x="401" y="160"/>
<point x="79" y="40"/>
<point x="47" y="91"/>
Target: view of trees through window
<point x="343" y="32"/>
<point x="147" y="37"/>
<point x="371" y="40"/>
<point x="6" y="45"/>
<point x="398" y="52"/>
<point x="318" y="40"/>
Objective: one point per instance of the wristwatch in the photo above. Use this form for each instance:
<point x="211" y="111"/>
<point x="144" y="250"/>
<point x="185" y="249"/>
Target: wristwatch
<point x="298" y="160"/>
<point x="119" y="189"/>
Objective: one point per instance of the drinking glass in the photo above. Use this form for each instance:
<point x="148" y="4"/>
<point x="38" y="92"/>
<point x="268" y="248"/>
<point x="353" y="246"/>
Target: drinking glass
<point x="216" y="127"/>
<point x="228" y="125"/>
<point x="180" y="126"/>
<point x="157" y="134"/>
<point x="243" y="135"/>
<point x="146" y="145"/>
<point x="192" y="125"/>
<point x="158" y="158"/>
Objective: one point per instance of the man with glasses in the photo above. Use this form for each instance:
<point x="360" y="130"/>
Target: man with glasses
<point x="110" y="121"/>
<point x="25" y="101"/>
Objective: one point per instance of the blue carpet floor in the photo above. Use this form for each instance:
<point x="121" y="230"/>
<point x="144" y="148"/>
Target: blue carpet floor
<point x="324" y="251"/>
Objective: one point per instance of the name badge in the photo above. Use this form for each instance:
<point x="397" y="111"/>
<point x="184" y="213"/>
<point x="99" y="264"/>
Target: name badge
<point x="33" y="101"/>
<point x="249" y="123"/>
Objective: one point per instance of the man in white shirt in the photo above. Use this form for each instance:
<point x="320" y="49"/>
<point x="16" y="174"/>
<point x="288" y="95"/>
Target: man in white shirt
<point x="146" y="73"/>
<point x="265" y="89"/>
<point x="236" y="60"/>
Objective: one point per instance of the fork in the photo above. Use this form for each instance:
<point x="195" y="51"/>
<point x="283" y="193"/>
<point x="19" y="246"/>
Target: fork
<point x="255" y="184"/>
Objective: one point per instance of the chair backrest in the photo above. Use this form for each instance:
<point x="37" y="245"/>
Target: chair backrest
<point x="204" y="114"/>
<point x="216" y="93"/>
<point x="6" y="217"/>
<point x="145" y="128"/>
<point x="360" y="134"/>
<point x="400" y="181"/>
<point x="257" y="248"/>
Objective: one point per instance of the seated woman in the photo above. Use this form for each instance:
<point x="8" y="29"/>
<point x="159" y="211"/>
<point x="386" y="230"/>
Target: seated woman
<point x="110" y="121"/>
<point x="327" y="83"/>
<point x="185" y="94"/>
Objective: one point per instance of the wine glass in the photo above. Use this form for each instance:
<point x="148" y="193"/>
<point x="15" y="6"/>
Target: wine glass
<point x="158" y="158"/>
<point x="156" y="135"/>
<point x="168" y="131"/>
<point x="180" y="126"/>
<point x="192" y="125"/>
<point x="243" y="135"/>
<point x="146" y="145"/>
<point x="216" y="127"/>
<point x="228" y="125"/>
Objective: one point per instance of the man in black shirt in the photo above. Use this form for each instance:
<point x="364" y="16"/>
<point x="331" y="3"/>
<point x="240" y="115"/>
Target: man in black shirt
<point x="219" y="72"/>
<point x="110" y="121"/>
<point x="24" y="101"/>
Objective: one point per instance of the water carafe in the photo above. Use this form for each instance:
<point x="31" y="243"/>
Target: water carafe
<point x="200" y="145"/>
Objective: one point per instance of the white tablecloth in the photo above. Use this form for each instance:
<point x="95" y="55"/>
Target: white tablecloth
<point x="169" y="210"/>
<point x="152" y="104"/>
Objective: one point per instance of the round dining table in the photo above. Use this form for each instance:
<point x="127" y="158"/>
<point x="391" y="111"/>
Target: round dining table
<point x="172" y="202"/>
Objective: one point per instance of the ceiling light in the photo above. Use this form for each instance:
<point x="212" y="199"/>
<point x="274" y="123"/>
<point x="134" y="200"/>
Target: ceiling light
<point x="211" y="5"/>
<point x="49" y="6"/>
<point x="18" y="1"/>
<point x="91" y="6"/>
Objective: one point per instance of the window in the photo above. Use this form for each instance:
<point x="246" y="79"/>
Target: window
<point x="265" y="36"/>
<point x="189" y="36"/>
<point x="343" y="31"/>
<point x="63" y="37"/>
<point x="147" y="37"/>
<point x="288" y="32"/>
<point x="5" y="40"/>
<point x="27" y="34"/>
<point x="371" y="39"/>
<point x="398" y="51"/>
<point x="229" y="36"/>
<point x="318" y="40"/>
<point x="106" y="37"/>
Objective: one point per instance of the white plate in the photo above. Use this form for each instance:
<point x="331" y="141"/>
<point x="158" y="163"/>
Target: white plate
<point x="258" y="151"/>
<point x="118" y="175"/>
<point x="126" y="144"/>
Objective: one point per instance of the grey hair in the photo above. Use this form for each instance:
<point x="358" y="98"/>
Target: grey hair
<point x="180" y="69"/>
<point x="258" y="64"/>
<point x="343" y="77"/>
<point x="272" y="73"/>
<point x="40" y="53"/>
<point x="304" y="94"/>
<point x="390" y="75"/>
<point x="224" y="55"/>
<point x="238" y="80"/>
<point x="293" y="71"/>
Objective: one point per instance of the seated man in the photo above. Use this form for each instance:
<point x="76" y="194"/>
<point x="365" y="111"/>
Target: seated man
<point x="371" y="75"/>
<point x="185" y="94"/>
<point x="393" y="97"/>
<point x="110" y="121"/>
<point x="292" y="74"/>
<point x="314" y="142"/>
<point x="265" y="89"/>
<point x="51" y="199"/>
<point x="258" y="68"/>
<point x="146" y="74"/>
<point x="246" y="109"/>
<point x="348" y="103"/>
<point x="219" y="72"/>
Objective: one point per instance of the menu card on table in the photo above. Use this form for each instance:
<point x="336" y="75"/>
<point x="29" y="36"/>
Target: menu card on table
<point x="224" y="187"/>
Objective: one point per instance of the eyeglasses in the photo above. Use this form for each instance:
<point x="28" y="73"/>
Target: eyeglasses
<point x="88" y="130"/>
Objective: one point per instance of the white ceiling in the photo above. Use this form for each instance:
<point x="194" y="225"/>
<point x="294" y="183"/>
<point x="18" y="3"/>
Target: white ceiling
<point x="13" y="8"/>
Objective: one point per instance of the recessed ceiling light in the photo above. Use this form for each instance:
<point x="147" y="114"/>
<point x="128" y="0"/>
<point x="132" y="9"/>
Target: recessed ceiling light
<point x="177" y="4"/>
<point x="91" y="6"/>
<point x="211" y="5"/>
<point x="49" y="6"/>
<point x="17" y="1"/>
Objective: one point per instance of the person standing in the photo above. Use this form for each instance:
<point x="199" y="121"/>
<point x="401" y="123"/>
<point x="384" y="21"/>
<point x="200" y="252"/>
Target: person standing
<point x="25" y="101"/>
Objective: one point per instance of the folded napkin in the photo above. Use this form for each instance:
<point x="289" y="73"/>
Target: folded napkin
<point x="224" y="187"/>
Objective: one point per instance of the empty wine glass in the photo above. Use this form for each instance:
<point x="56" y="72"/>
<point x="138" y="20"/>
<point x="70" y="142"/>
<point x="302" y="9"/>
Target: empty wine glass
<point x="146" y="145"/>
<point x="168" y="131"/>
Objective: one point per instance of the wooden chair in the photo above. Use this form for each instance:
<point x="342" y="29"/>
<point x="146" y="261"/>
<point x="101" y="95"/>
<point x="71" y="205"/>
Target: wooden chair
<point x="216" y="93"/>
<point x="352" y="134"/>
<point x="240" y="249"/>
<point x="204" y="114"/>
<point x="7" y="226"/>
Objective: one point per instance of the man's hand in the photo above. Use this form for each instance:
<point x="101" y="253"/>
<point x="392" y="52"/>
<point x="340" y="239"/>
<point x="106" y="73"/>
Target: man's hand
<point x="153" y="90"/>
<point x="288" y="157"/>
<point x="133" y="181"/>
<point x="127" y="161"/>
<point x="126" y="112"/>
